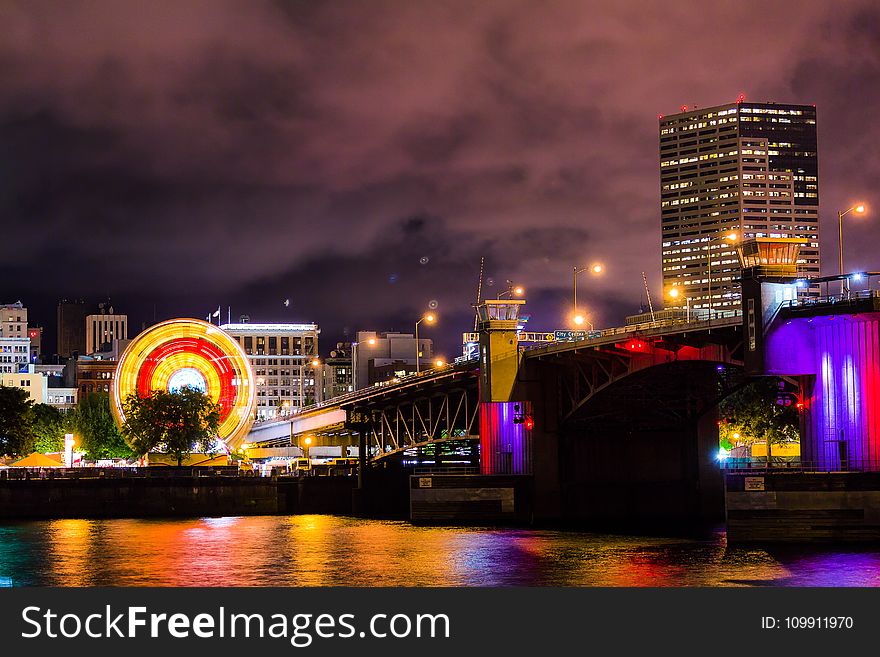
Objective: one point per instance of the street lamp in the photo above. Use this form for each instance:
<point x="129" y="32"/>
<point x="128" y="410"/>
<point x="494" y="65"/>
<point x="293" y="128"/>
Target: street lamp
<point x="354" y="360"/>
<point x="595" y="269"/>
<point x="675" y="293"/>
<point x="732" y="237"/>
<point x="439" y="362"/>
<point x="580" y="320"/>
<point x="858" y="208"/>
<point x="512" y="290"/>
<point x="430" y="318"/>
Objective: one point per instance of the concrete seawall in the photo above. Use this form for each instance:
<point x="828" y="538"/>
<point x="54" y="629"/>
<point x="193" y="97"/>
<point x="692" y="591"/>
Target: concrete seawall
<point x="803" y="507"/>
<point x="173" y="497"/>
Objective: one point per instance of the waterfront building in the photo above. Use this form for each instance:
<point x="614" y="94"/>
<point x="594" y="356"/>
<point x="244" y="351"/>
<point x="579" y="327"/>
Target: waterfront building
<point x="744" y="168"/>
<point x="380" y="357"/>
<point x="284" y="358"/>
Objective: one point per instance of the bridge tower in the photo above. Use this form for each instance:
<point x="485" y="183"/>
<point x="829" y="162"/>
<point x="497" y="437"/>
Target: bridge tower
<point x="505" y="424"/>
<point x="769" y="280"/>
<point x="497" y="321"/>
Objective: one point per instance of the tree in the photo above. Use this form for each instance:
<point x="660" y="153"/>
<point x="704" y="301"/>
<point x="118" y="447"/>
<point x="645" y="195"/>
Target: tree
<point x="96" y="431"/>
<point x="754" y="414"/>
<point x="49" y="427"/>
<point x="16" y="421"/>
<point x="175" y="422"/>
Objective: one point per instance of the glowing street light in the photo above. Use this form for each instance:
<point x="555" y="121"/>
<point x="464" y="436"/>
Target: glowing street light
<point x="675" y="294"/>
<point x="512" y="290"/>
<point x="580" y="320"/>
<point x="858" y="208"/>
<point x="730" y="237"/>
<point x="439" y="362"/>
<point x="429" y="318"/>
<point x="595" y="269"/>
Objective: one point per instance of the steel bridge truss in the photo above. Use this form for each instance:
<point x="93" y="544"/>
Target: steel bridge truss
<point x="434" y="417"/>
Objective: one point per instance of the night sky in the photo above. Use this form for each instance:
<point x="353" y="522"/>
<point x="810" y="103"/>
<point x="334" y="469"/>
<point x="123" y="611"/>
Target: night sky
<point x="358" y="158"/>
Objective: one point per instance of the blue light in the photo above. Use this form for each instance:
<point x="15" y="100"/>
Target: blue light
<point x="722" y="454"/>
<point x="857" y="277"/>
<point x="800" y="283"/>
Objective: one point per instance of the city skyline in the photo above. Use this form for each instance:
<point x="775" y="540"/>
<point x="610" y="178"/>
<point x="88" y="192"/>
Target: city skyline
<point x="303" y="161"/>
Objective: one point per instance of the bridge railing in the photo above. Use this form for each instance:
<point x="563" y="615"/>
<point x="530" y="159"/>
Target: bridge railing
<point x="719" y="318"/>
<point x="831" y="300"/>
<point x="734" y="466"/>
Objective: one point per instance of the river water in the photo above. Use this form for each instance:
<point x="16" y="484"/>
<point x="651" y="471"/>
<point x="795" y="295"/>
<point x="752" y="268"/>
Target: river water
<point x="317" y="550"/>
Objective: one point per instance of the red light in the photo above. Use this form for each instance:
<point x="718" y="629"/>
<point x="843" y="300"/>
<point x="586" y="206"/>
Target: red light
<point x="33" y="334"/>
<point x="800" y="406"/>
<point x="659" y="116"/>
<point x="740" y="98"/>
<point x="529" y="423"/>
<point x="684" y="108"/>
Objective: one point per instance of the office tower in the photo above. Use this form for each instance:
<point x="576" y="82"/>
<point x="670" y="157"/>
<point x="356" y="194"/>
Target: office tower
<point x="103" y="327"/>
<point x="749" y="169"/>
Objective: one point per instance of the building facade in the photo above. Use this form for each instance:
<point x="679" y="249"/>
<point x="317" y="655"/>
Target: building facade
<point x="744" y="168"/>
<point x="284" y="358"/>
<point x="36" y="385"/>
<point x="103" y="327"/>
<point x="14" y="354"/>
<point x="337" y="373"/>
<point x="13" y="320"/>
<point x="71" y="327"/>
<point x="380" y="357"/>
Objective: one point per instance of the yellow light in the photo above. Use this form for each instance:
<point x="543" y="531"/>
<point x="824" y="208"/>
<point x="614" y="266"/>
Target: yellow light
<point x="371" y="341"/>
<point x="674" y="293"/>
<point x="597" y="268"/>
<point x="140" y="358"/>
<point x="316" y="362"/>
<point x="732" y="237"/>
<point x="519" y="291"/>
<point x="430" y="318"/>
<point x="307" y="440"/>
<point x="736" y="436"/>
<point x="439" y="362"/>
<point x="245" y="446"/>
<point x="860" y="208"/>
<point x="579" y="319"/>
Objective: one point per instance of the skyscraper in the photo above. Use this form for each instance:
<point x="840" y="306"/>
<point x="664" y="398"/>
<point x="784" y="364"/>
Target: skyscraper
<point x="744" y="168"/>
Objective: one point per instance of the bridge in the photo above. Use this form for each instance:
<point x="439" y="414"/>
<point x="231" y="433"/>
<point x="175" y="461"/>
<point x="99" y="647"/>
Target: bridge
<point x="623" y="423"/>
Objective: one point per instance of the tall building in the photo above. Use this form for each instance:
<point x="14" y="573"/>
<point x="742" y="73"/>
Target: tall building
<point x="282" y="357"/>
<point x="103" y="327"/>
<point x="744" y="168"/>
<point x="72" y="327"/>
<point x="382" y="357"/>
<point x="13" y="320"/>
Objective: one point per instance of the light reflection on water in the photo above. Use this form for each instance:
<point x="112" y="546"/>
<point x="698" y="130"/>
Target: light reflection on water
<point x="315" y="550"/>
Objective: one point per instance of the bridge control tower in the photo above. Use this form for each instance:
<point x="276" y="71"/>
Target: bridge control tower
<point x="769" y="280"/>
<point x="497" y="321"/>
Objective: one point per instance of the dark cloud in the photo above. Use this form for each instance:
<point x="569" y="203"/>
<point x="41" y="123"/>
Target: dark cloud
<point x="187" y="154"/>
